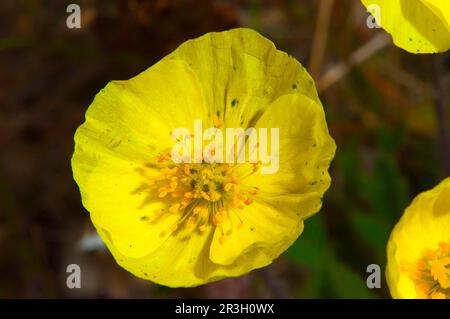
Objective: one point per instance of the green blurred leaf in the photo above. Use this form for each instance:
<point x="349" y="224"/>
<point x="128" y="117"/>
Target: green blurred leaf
<point x="351" y="166"/>
<point x="373" y="231"/>
<point x="344" y="282"/>
<point x="386" y="190"/>
<point x="310" y="251"/>
<point x="310" y="247"/>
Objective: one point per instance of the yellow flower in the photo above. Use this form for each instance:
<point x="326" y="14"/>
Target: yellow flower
<point x="419" y="247"/>
<point x="418" y="26"/>
<point x="186" y="224"/>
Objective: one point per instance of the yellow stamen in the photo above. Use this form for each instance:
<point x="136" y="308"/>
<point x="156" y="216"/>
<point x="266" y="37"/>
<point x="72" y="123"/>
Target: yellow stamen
<point x="174" y="208"/>
<point x="162" y="194"/>
<point x="197" y="210"/>
<point x="216" y="121"/>
<point x="173" y="183"/>
<point x="431" y="273"/>
<point x="205" y="196"/>
<point x="198" y="189"/>
<point x="191" y="221"/>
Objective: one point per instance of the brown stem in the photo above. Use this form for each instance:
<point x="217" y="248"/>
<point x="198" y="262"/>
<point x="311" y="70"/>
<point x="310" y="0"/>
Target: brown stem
<point x="320" y="37"/>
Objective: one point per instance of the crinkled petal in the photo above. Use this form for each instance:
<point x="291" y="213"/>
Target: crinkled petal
<point x="420" y="26"/>
<point x="126" y="126"/>
<point x="242" y="73"/>
<point x="305" y="153"/>
<point x="441" y="8"/>
<point x="183" y="260"/>
<point x="425" y="223"/>
<point x="260" y="226"/>
<point x="290" y="194"/>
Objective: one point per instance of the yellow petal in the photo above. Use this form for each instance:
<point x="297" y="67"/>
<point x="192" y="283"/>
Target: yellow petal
<point x="177" y="263"/>
<point x="111" y="195"/>
<point x="242" y="73"/>
<point x="183" y="260"/>
<point x="441" y="8"/>
<point x="126" y="125"/>
<point x="305" y="152"/>
<point x="263" y="226"/>
<point x="416" y="26"/>
<point x="425" y="223"/>
<point x="132" y="119"/>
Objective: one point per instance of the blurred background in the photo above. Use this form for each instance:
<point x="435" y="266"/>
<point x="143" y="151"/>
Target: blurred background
<point x="384" y="109"/>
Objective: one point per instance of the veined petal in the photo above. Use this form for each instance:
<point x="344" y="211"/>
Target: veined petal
<point x="126" y="126"/>
<point x="305" y="152"/>
<point x="296" y="189"/>
<point x="441" y="8"/>
<point x="243" y="73"/>
<point x="417" y="26"/>
<point x="184" y="259"/>
<point x="133" y="119"/>
<point x="256" y="226"/>
<point x="424" y="226"/>
<point x="176" y="263"/>
<point x="427" y="220"/>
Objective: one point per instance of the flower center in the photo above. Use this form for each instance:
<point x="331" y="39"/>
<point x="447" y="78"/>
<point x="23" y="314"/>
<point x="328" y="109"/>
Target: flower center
<point x="202" y="193"/>
<point x="431" y="273"/>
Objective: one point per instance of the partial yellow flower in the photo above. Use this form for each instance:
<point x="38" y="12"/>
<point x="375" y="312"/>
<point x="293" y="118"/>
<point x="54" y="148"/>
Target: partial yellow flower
<point x="418" y="26"/>
<point x="419" y="247"/>
<point x="187" y="224"/>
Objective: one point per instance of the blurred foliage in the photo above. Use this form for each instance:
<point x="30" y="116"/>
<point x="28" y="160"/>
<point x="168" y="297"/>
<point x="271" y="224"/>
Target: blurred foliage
<point x="380" y="113"/>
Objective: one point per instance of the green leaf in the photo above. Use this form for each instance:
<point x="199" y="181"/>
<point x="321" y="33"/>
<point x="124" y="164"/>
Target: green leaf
<point x="309" y="248"/>
<point x="344" y="282"/>
<point x="374" y="231"/>
<point x="309" y="252"/>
